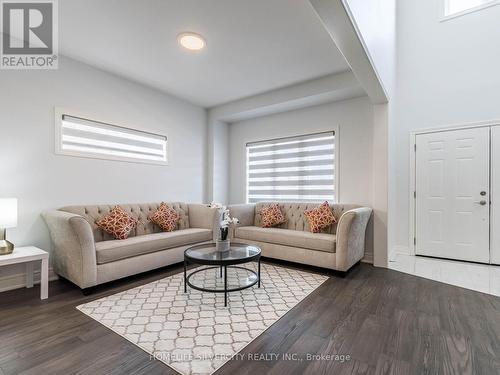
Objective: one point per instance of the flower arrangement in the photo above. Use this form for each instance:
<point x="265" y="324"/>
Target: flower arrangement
<point x="225" y="219"/>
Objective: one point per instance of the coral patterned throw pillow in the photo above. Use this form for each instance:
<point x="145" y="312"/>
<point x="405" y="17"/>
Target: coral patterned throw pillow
<point x="117" y="223"/>
<point x="320" y="217"/>
<point x="165" y="217"/>
<point x="271" y="216"/>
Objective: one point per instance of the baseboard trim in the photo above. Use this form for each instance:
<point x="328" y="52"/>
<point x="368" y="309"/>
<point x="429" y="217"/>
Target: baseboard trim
<point x="367" y="259"/>
<point x="404" y="250"/>
<point x="18" y="280"/>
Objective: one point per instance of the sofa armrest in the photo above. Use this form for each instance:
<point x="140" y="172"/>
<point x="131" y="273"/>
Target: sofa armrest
<point x="74" y="247"/>
<point x="351" y="231"/>
<point x="245" y="214"/>
<point x="202" y="216"/>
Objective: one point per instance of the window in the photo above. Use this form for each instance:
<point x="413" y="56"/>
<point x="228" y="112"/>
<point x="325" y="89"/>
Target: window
<point x="453" y="8"/>
<point x="77" y="136"/>
<point x="292" y="169"/>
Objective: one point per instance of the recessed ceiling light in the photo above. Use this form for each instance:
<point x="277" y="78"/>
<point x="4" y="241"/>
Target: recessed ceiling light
<point x="191" y="41"/>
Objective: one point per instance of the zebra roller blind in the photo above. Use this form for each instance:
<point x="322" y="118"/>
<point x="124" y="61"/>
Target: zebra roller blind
<point x="292" y="169"/>
<point x="82" y="137"/>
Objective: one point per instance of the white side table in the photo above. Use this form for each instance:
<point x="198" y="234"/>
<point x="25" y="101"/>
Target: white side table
<point x="28" y="255"/>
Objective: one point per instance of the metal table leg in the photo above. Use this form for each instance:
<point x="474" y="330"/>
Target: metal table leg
<point x="185" y="275"/>
<point x="225" y="286"/>
<point x="259" y="273"/>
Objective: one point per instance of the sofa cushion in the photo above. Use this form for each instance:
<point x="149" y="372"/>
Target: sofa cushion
<point x="294" y="213"/>
<point x="117" y="223"/>
<point x="320" y="217"/>
<point x="110" y="251"/>
<point x="139" y="211"/>
<point x="165" y="217"/>
<point x="271" y="216"/>
<point x="288" y="237"/>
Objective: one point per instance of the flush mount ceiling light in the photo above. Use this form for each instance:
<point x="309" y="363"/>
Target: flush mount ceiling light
<point x="191" y="41"/>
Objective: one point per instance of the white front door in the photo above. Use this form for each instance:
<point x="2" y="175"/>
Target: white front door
<point x="452" y="194"/>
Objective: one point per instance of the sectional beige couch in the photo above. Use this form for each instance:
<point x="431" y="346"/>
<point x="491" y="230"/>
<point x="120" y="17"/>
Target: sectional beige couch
<point x="87" y="256"/>
<point x="338" y="247"/>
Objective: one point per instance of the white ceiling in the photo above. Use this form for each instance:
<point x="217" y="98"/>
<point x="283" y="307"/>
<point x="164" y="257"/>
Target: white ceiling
<point x="253" y="46"/>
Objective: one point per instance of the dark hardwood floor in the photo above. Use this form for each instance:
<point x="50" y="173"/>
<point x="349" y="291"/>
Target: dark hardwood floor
<point x="387" y="322"/>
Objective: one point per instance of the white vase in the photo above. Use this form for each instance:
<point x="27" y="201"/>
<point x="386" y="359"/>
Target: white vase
<point x="222" y="245"/>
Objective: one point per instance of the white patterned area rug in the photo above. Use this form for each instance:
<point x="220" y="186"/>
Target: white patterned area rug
<point x="193" y="332"/>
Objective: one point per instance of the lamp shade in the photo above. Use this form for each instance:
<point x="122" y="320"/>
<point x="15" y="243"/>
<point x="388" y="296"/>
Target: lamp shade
<point x="8" y="212"/>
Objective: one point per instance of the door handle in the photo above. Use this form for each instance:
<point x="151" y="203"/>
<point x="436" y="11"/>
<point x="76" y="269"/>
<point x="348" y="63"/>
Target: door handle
<point x="482" y="202"/>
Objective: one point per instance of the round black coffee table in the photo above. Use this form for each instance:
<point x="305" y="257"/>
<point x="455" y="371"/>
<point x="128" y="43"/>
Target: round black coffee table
<point x="207" y="254"/>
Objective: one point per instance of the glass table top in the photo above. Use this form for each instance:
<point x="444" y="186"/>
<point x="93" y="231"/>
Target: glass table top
<point x="208" y="253"/>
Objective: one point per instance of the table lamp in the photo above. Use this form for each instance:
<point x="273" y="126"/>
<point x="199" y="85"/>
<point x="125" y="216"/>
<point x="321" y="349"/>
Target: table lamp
<point x="8" y="219"/>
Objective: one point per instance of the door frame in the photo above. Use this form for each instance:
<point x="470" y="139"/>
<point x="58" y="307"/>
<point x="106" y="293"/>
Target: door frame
<point x="413" y="170"/>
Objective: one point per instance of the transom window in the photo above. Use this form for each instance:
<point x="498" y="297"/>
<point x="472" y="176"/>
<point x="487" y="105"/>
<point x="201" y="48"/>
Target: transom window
<point x="292" y="169"/>
<point x="458" y="7"/>
<point x="78" y="136"/>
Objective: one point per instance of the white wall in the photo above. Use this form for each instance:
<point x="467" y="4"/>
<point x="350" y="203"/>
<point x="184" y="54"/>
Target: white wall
<point x="365" y="33"/>
<point x="333" y="87"/>
<point x="380" y="166"/>
<point x="218" y="162"/>
<point x="448" y="73"/>
<point x="41" y="180"/>
<point x="375" y="21"/>
<point x="355" y="120"/>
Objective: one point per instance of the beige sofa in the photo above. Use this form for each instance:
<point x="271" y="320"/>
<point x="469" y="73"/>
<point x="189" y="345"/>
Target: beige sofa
<point x="338" y="247"/>
<point x="87" y="256"/>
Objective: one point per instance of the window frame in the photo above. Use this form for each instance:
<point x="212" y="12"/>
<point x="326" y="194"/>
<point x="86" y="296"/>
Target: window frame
<point x="336" y="142"/>
<point x="58" y="117"/>
<point x="444" y="3"/>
